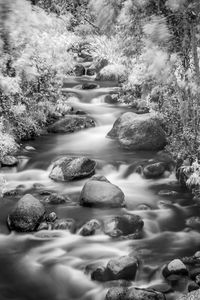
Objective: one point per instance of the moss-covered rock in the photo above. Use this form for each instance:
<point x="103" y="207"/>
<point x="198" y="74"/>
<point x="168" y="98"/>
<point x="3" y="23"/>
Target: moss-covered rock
<point x="70" y="168"/>
<point x="72" y="123"/>
<point x="26" y="215"/>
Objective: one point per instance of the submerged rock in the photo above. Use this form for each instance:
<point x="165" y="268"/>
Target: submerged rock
<point x="89" y="86"/>
<point x="70" y="168"/>
<point x="124" y="225"/>
<point x="64" y="224"/>
<point x="72" y="123"/>
<point x="98" y="193"/>
<point x="167" y="193"/>
<point x="55" y="198"/>
<point x="26" y="215"/>
<point x="138" y="132"/>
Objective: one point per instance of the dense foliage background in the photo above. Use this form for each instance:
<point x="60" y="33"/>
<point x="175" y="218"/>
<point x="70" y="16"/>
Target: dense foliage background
<point x="150" y="46"/>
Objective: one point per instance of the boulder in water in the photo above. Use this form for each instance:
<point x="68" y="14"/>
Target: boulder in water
<point x="26" y="215"/>
<point x="79" y="70"/>
<point x="55" y="198"/>
<point x="90" y="228"/>
<point x="144" y="294"/>
<point x="154" y="170"/>
<point x="117" y="293"/>
<point x="124" y="225"/>
<point x="9" y="161"/>
<point x="124" y="267"/>
<point x="70" y="168"/>
<point x="174" y="270"/>
<point x="98" y="193"/>
<point x="64" y="224"/>
<point x="89" y="86"/>
<point x="193" y="222"/>
<point x="194" y="295"/>
<point x="138" y="132"/>
<point x="72" y="123"/>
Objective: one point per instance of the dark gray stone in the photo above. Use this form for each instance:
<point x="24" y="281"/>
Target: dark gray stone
<point x="72" y="123"/>
<point x="70" y="168"/>
<point x="26" y="215"/>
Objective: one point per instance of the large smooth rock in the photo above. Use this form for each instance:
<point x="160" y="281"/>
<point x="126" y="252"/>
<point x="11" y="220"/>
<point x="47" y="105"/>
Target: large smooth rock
<point x="71" y="123"/>
<point x="26" y="215"/>
<point x="138" y="132"/>
<point x="70" y="168"/>
<point x="174" y="270"/>
<point x="97" y="193"/>
<point x="124" y="225"/>
<point x="124" y="267"/>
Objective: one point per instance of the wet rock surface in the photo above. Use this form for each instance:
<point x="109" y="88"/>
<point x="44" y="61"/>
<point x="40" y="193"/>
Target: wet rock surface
<point x="72" y="123"/>
<point x="121" y="293"/>
<point x="98" y="193"/>
<point x="138" y="132"/>
<point x="71" y="168"/>
<point x="26" y="215"/>
<point x="125" y="225"/>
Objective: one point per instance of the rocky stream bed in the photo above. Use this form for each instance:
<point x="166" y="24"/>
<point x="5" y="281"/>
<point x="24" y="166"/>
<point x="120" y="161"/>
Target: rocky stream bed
<point x="93" y="211"/>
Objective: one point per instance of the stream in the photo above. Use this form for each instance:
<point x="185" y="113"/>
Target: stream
<point x="54" y="266"/>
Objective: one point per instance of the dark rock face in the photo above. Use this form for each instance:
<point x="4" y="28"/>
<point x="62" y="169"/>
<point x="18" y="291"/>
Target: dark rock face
<point x="123" y="293"/>
<point x="26" y="215"/>
<point x="89" y="86"/>
<point x="70" y="168"/>
<point x="174" y="270"/>
<point x="144" y="294"/>
<point x="138" y="132"/>
<point x="55" y="198"/>
<point x="79" y="70"/>
<point x="65" y="224"/>
<point x="90" y="72"/>
<point x="194" y="223"/>
<point x="72" y="123"/>
<point x="119" y="268"/>
<point x="194" y="295"/>
<point x="155" y="170"/>
<point x="116" y="293"/>
<point x="90" y="227"/>
<point x="124" y="225"/>
<point x="9" y="161"/>
<point x="124" y="267"/>
<point x="98" y="193"/>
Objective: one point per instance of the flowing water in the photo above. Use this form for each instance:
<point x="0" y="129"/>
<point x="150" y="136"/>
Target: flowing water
<point x="53" y="267"/>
